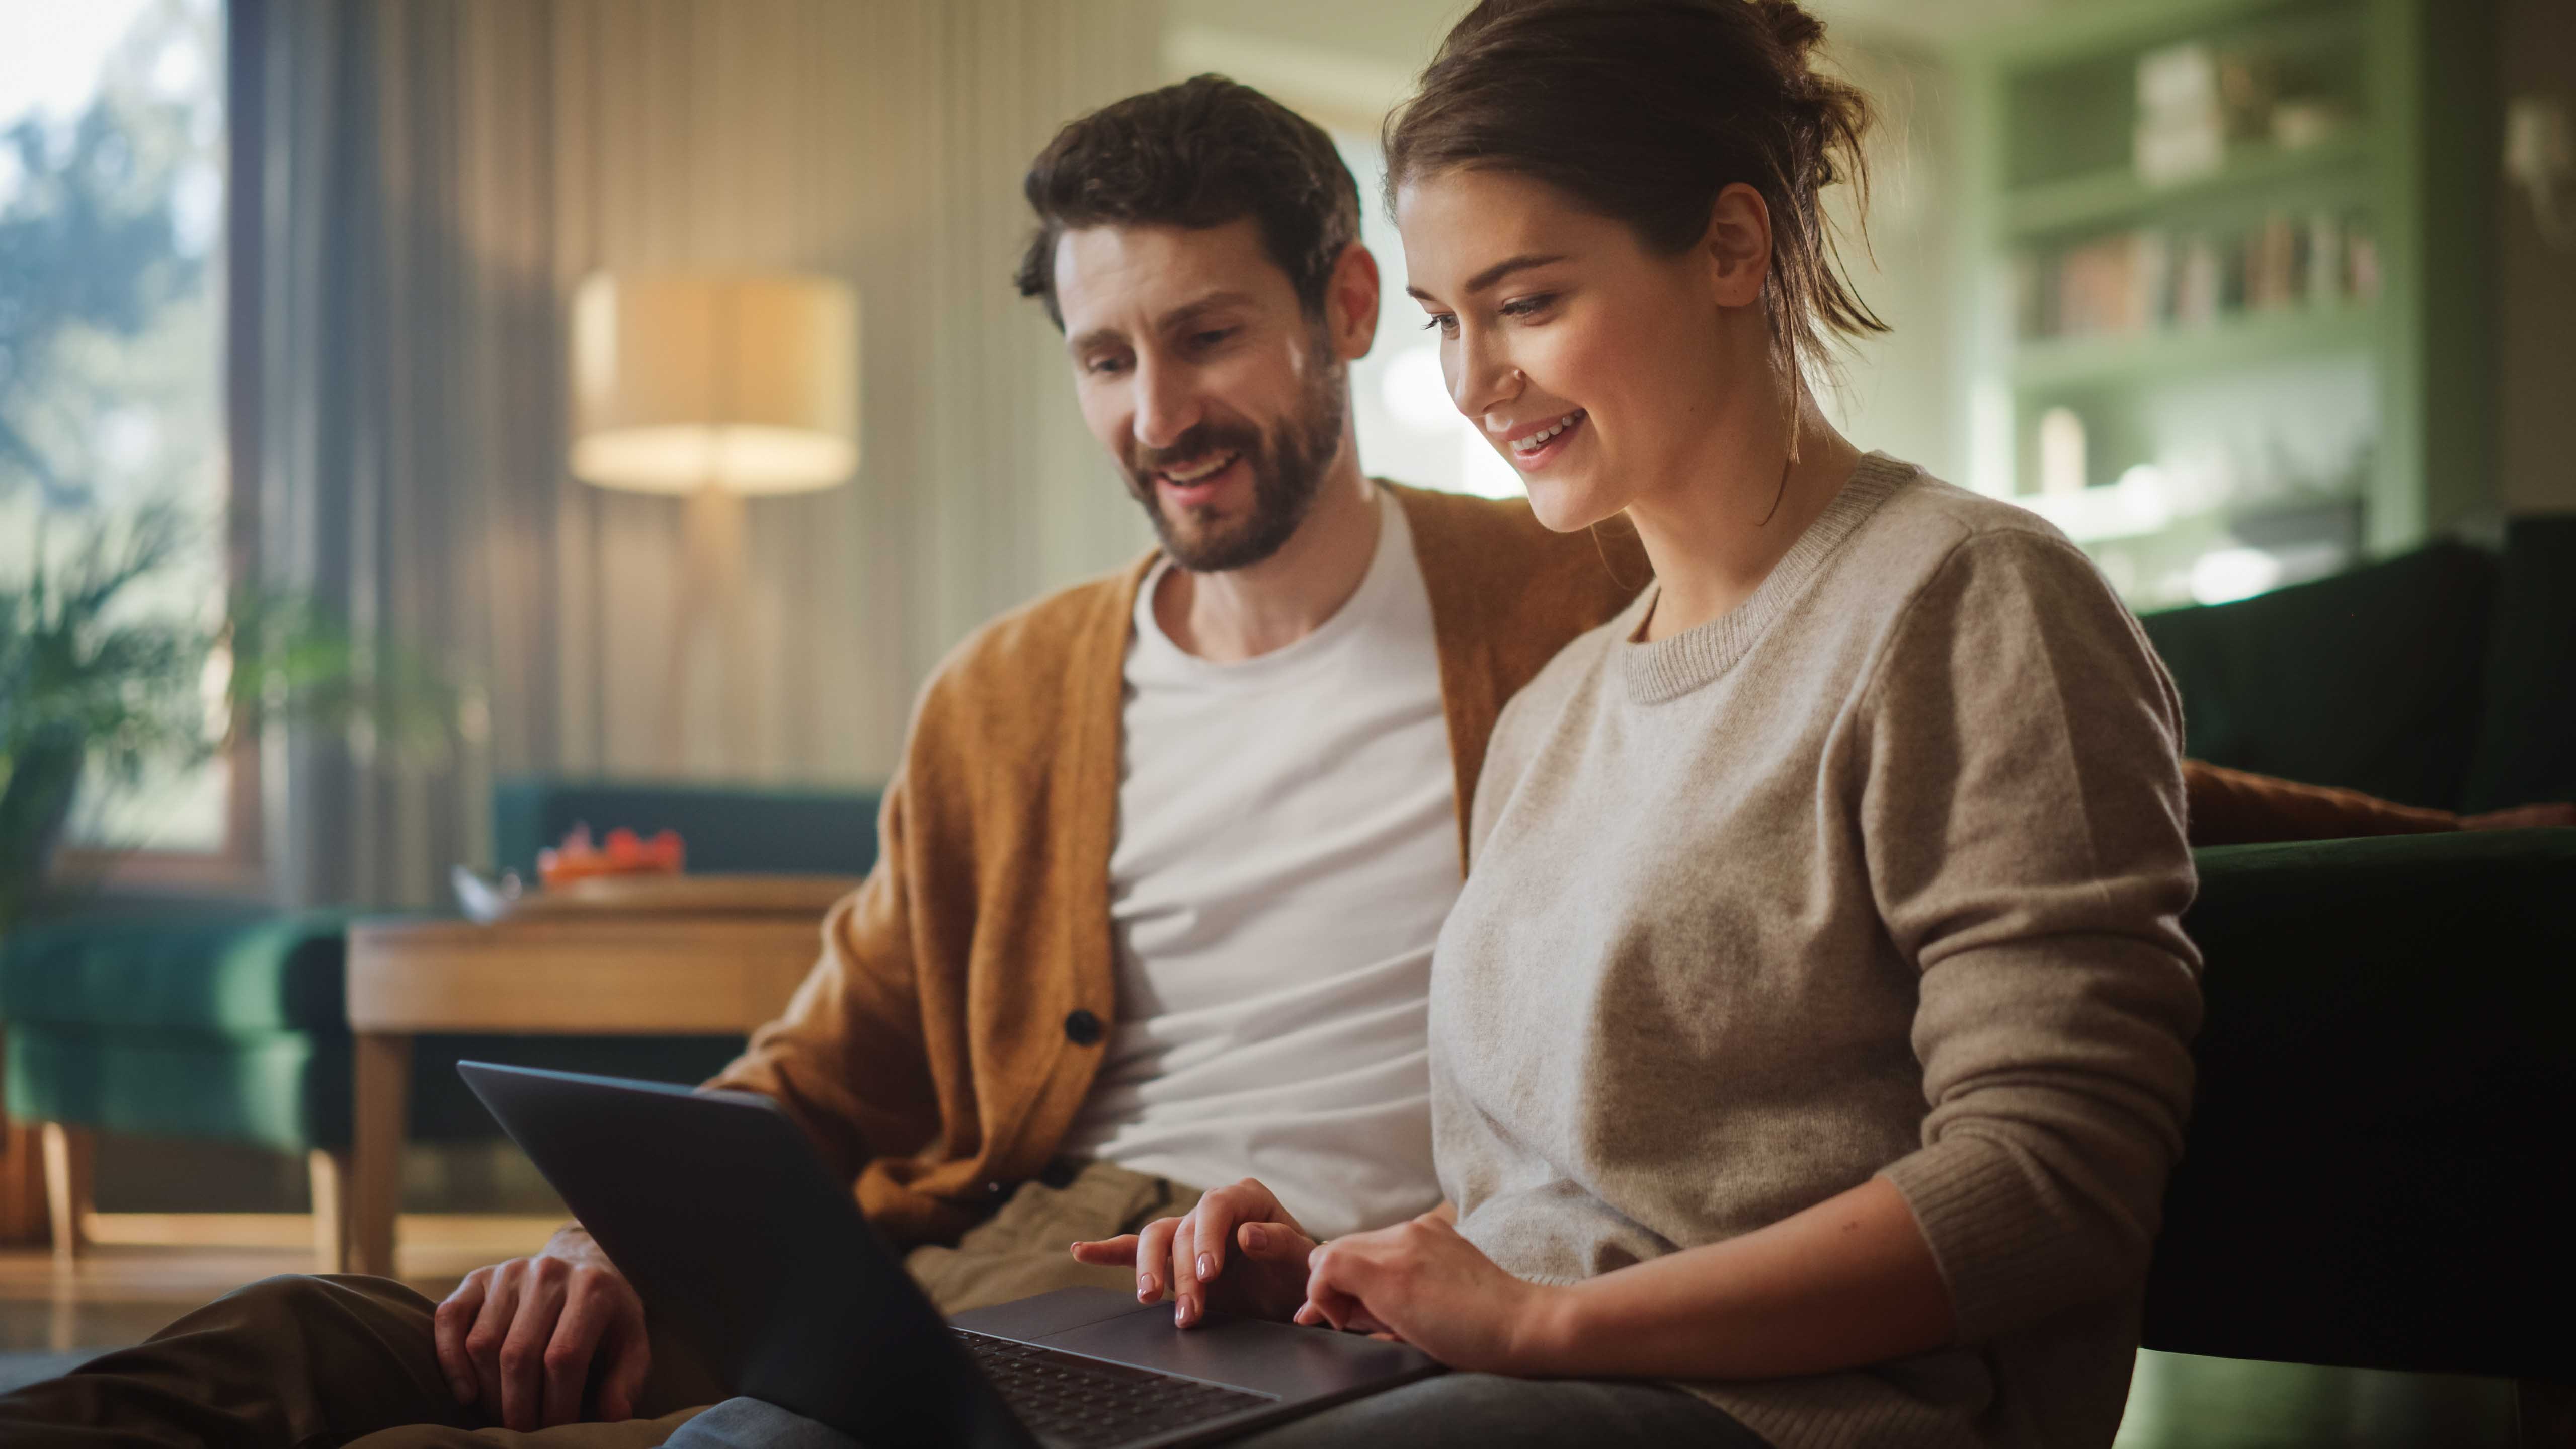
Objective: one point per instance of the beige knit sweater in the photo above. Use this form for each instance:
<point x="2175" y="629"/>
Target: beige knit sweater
<point x="1880" y="873"/>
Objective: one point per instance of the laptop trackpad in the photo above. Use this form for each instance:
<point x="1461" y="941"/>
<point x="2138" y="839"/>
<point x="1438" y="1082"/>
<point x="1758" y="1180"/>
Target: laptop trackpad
<point x="1273" y="1358"/>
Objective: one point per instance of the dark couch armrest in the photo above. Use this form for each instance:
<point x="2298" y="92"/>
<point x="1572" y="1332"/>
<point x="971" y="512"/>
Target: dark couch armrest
<point x="2377" y="1171"/>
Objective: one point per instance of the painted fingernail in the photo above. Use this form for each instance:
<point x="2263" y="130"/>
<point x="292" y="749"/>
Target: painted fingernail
<point x="1207" y="1267"/>
<point x="1254" y="1236"/>
<point x="1186" y="1313"/>
<point x="1146" y="1286"/>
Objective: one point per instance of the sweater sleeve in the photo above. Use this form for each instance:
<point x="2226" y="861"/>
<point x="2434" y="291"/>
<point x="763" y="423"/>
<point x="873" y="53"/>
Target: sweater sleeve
<point x="846" y="1058"/>
<point x="2022" y="817"/>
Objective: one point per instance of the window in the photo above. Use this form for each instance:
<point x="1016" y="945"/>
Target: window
<point x="111" y="331"/>
<point x="1409" y="430"/>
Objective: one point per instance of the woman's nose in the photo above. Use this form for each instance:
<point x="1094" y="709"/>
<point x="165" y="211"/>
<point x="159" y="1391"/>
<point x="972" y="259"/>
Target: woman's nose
<point x="1480" y="376"/>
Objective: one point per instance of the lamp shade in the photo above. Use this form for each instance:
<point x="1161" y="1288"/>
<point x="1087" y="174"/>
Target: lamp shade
<point x="743" y="381"/>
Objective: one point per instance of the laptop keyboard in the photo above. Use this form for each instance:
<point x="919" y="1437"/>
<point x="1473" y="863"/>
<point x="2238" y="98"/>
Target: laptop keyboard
<point x="1067" y="1399"/>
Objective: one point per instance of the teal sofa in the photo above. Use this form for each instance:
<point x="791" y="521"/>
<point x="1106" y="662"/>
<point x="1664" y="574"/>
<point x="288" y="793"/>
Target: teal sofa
<point x="228" y="1021"/>
<point x="2377" y="1173"/>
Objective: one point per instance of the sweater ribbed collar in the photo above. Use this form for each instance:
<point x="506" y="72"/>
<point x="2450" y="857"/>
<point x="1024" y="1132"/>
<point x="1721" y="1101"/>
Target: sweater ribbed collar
<point x="1667" y="669"/>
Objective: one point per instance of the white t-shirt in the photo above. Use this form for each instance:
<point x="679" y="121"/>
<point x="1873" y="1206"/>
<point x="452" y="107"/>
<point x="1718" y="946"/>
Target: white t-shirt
<point x="1287" y="849"/>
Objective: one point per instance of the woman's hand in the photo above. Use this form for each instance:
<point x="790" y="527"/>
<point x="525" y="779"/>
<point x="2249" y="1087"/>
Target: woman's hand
<point x="1423" y="1283"/>
<point x="1188" y="1255"/>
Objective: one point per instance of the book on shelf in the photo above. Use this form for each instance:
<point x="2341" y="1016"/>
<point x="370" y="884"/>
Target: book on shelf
<point x="2148" y="279"/>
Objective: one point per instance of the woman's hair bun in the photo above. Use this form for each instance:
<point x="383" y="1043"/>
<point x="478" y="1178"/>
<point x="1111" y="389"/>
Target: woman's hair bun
<point x="1797" y="32"/>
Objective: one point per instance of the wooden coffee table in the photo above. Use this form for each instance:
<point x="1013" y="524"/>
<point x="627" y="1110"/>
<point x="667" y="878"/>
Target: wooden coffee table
<point x="660" y="973"/>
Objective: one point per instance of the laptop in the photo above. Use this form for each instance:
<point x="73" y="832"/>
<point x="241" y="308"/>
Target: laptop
<point x="716" y="1208"/>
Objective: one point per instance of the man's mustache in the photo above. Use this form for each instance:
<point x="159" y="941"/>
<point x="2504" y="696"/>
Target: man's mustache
<point x="1202" y="441"/>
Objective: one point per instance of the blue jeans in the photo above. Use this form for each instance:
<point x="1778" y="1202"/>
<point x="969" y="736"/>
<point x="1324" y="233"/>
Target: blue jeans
<point x="1453" y="1411"/>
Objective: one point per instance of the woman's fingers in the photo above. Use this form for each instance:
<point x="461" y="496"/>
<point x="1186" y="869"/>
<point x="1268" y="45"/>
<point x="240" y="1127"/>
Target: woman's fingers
<point x="1188" y="1298"/>
<point x="1342" y="1275"/>
<point x="1117" y="1252"/>
<point x="1153" y="1257"/>
<point x="1213" y="1221"/>
<point x="1273" y="1243"/>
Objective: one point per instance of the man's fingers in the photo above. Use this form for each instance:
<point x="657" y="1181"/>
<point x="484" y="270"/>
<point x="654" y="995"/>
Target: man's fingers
<point x="492" y="1326"/>
<point x="586" y="1319"/>
<point x="1117" y="1252"/>
<point x="523" y="1351"/>
<point x="630" y="1358"/>
<point x="454" y="1319"/>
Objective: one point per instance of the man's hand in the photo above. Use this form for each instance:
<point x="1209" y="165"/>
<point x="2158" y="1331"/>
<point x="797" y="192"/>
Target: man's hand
<point x="520" y="1338"/>
<point x="1188" y="1256"/>
<point x="1423" y="1283"/>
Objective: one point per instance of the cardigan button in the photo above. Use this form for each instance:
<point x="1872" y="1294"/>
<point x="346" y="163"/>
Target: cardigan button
<point x="1083" y="1029"/>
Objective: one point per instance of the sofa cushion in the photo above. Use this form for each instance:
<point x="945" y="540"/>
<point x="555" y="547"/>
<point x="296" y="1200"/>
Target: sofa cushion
<point x="285" y="1090"/>
<point x="207" y="968"/>
<point x="2368" y="680"/>
<point x="2376" y="1172"/>
<point x="291" y="1090"/>
<point x="2526" y="749"/>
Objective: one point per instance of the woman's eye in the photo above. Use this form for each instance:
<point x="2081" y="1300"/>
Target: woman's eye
<point x="1527" y="306"/>
<point x="1443" y="323"/>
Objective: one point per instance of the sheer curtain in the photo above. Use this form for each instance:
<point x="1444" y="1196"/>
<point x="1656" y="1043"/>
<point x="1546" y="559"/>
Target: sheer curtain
<point x="431" y="178"/>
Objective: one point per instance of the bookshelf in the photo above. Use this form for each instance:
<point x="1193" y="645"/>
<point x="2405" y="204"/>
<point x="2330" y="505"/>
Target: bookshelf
<point x="2226" y="282"/>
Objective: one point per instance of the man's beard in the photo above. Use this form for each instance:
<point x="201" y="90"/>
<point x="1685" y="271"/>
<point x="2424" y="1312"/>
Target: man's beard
<point x="1288" y="465"/>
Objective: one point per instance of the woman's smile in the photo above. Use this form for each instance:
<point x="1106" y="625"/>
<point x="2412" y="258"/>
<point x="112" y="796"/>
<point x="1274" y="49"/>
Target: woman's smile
<point x="1532" y="446"/>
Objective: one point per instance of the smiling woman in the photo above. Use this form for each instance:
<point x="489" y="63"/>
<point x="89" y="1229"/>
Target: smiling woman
<point x="1864" y="820"/>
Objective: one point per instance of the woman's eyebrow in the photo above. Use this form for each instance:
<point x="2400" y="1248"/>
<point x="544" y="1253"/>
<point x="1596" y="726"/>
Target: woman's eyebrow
<point x="1495" y="273"/>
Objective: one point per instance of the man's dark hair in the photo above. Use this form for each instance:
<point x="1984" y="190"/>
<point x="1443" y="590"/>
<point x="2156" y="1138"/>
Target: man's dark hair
<point x="1196" y="155"/>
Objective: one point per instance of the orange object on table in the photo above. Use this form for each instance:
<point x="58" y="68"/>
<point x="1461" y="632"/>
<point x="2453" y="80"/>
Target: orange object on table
<point x="623" y="853"/>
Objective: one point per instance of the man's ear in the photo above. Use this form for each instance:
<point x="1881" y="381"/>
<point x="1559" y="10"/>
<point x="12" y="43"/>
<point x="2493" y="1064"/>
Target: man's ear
<point x="1737" y="246"/>
<point x="1350" y="303"/>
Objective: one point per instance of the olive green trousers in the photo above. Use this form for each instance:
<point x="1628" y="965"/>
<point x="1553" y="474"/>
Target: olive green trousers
<point x="317" y="1363"/>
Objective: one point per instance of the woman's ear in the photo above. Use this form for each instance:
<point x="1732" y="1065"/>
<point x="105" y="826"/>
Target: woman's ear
<point x="1350" y="303"/>
<point x="1737" y="246"/>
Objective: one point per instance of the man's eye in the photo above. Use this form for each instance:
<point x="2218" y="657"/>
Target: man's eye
<point x="1105" y="366"/>
<point x="1213" y="337"/>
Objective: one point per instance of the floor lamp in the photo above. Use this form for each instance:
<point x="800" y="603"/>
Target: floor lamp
<point x="715" y="386"/>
